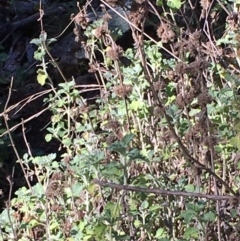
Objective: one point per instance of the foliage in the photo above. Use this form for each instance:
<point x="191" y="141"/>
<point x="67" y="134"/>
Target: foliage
<point x="160" y="122"/>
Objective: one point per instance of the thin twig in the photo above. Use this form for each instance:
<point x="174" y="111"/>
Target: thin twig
<point x="161" y="192"/>
<point x="10" y="136"/>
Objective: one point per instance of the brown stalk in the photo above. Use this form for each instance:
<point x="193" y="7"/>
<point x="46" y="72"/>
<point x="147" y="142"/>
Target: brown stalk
<point x="161" y="192"/>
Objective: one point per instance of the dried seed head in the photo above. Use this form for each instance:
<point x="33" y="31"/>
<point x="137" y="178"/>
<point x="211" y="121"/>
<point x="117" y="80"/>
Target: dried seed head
<point x="138" y="12"/>
<point x="180" y="101"/>
<point x="191" y="94"/>
<point x="210" y="141"/>
<point x="110" y="139"/>
<point x="233" y="21"/>
<point x="159" y="85"/>
<point x="157" y="111"/>
<point x="122" y="90"/>
<point x="204" y="98"/>
<point x="113" y="53"/>
<point x="112" y="124"/>
<point x="165" y="33"/>
<point x="100" y="31"/>
<point x="106" y="17"/>
<point x="82" y="20"/>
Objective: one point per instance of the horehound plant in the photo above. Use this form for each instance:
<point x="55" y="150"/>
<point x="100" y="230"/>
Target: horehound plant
<point x="143" y="163"/>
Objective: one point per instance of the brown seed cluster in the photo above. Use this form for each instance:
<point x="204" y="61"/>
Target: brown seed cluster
<point x="195" y="133"/>
<point x="165" y="33"/>
<point x="112" y="124"/>
<point x="137" y="14"/>
<point x="182" y="101"/>
<point x="210" y="141"/>
<point x="113" y="53"/>
<point x="159" y="85"/>
<point x="122" y="91"/>
<point x="190" y="43"/>
<point x="204" y="98"/>
<point x="233" y="21"/>
<point x="111" y="138"/>
<point x="81" y="20"/>
<point x="100" y="31"/>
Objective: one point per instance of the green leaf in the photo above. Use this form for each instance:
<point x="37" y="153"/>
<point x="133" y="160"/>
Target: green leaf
<point x="193" y="112"/>
<point x="99" y="231"/>
<point x="67" y="141"/>
<point x="127" y="139"/>
<point x="137" y="223"/>
<point x="38" y="54"/>
<point x="189" y="188"/>
<point x="43" y="160"/>
<point x="161" y="233"/>
<point x="41" y="77"/>
<point x="48" y="137"/>
<point x="23" y="191"/>
<point x="111" y="172"/>
<point x="114" y="209"/>
<point x="77" y="189"/>
<point x="52" y="40"/>
<point x="136" y="104"/>
<point x="191" y="232"/>
<point x="234" y="213"/>
<point x="38" y="190"/>
<point x="209" y="216"/>
<point x="174" y="4"/>
<point x="155" y="207"/>
<point x="36" y="41"/>
<point x="118" y="147"/>
<point x="235" y="142"/>
<point x="188" y="215"/>
<point x="144" y="205"/>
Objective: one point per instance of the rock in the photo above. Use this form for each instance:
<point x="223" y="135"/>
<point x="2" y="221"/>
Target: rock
<point x="116" y="22"/>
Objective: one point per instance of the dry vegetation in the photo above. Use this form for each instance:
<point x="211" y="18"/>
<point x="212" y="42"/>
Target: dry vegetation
<point x="121" y="136"/>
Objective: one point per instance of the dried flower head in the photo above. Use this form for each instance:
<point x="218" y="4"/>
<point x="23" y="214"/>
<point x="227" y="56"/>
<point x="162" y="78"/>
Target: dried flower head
<point x="204" y="98"/>
<point x="106" y="17"/>
<point x="100" y="31"/>
<point x="93" y="68"/>
<point x="122" y="90"/>
<point x="110" y="139"/>
<point x="113" y="53"/>
<point x="138" y="12"/>
<point x="180" y="101"/>
<point x="112" y="124"/>
<point x="190" y="95"/>
<point x="210" y="141"/>
<point x="81" y="20"/>
<point x="159" y="85"/>
<point x="165" y="33"/>
<point x="157" y="112"/>
<point x="233" y="21"/>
